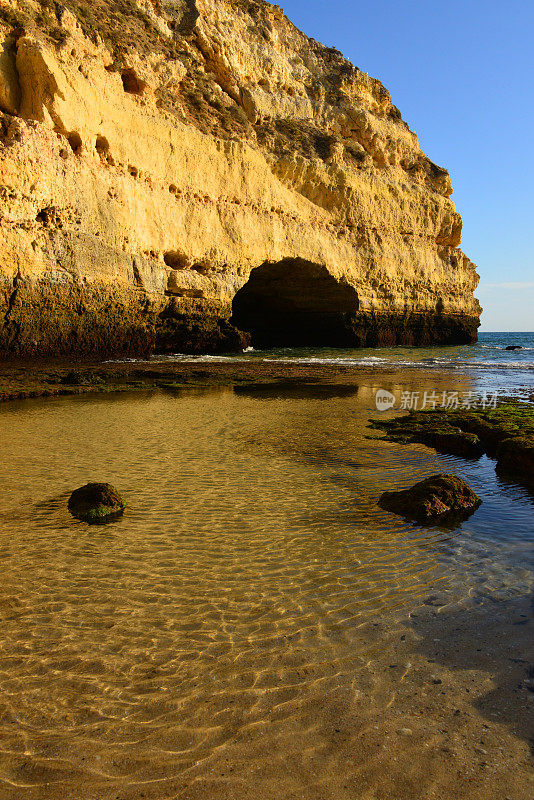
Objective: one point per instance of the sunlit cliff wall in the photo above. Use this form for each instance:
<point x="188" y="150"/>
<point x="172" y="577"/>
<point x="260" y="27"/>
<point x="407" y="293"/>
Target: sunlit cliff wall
<point x="150" y="158"/>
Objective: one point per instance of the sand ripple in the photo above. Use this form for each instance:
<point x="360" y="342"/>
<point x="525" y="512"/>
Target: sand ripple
<point x="244" y="630"/>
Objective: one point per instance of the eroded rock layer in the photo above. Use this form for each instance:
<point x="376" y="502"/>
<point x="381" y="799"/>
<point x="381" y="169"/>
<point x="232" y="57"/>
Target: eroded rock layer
<point x="155" y="156"/>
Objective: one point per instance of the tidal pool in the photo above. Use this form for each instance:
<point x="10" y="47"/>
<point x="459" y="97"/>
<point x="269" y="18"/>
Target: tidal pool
<point x="254" y="626"/>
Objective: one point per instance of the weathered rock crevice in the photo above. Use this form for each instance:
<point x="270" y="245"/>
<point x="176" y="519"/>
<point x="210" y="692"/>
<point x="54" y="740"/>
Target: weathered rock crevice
<point x="10" y="90"/>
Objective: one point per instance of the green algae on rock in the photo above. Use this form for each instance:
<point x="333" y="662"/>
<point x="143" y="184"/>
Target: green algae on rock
<point x="96" y="503"/>
<point x="438" y="497"/>
<point x="516" y="455"/>
<point x="505" y="433"/>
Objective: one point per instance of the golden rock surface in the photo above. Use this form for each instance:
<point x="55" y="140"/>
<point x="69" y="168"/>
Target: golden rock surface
<point x="139" y="186"/>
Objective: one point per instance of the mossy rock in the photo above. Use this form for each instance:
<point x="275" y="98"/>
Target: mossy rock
<point x="436" y="433"/>
<point x="96" y="503"/>
<point x="438" y="497"/>
<point x="516" y="455"/>
<point x="505" y="433"/>
<point x="74" y="378"/>
<point x="456" y="442"/>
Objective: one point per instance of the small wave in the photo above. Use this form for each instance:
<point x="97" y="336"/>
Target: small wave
<point x="526" y="365"/>
<point x="442" y="363"/>
<point x="366" y="361"/>
<point x="501" y="347"/>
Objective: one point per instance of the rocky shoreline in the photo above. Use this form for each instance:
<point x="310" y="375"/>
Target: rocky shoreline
<point x="505" y="433"/>
<point x="22" y="380"/>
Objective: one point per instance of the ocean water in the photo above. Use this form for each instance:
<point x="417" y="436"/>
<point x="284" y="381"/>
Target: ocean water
<point x="488" y="361"/>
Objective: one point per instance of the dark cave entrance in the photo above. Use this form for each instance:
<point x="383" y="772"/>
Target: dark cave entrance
<point x="296" y="303"/>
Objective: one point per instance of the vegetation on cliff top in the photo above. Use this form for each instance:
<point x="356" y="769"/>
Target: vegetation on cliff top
<point x="124" y="27"/>
<point x="119" y="24"/>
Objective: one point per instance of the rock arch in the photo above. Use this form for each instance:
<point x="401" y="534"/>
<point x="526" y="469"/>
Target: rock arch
<point x="296" y="303"/>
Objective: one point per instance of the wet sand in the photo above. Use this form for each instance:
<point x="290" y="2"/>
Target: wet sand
<point x="22" y="380"/>
<point x="435" y="706"/>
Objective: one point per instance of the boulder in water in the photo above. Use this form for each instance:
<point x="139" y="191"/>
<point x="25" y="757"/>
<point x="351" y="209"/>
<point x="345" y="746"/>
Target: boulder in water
<point x="457" y="442"/>
<point x="516" y="456"/>
<point x="437" y="497"/>
<point x="514" y="347"/>
<point x="96" y="503"/>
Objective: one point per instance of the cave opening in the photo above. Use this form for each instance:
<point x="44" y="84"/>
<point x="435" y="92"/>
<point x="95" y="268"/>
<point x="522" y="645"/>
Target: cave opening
<point x="296" y="303"/>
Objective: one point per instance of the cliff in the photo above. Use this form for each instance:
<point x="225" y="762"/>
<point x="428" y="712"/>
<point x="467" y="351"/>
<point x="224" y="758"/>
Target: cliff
<point x="175" y="171"/>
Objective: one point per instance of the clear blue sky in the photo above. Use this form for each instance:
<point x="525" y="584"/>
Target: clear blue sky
<point x="462" y="75"/>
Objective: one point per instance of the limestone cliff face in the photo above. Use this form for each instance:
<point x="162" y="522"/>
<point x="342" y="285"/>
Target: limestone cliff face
<point x="212" y="161"/>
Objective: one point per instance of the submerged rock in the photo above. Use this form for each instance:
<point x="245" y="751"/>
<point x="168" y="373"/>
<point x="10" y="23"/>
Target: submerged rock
<point x="96" y="503"/>
<point x="435" y="497"/>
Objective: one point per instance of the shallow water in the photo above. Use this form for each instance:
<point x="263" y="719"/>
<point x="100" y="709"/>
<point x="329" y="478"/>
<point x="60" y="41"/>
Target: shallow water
<point x="243" y="600"/>
<point x="488" y="362"/>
